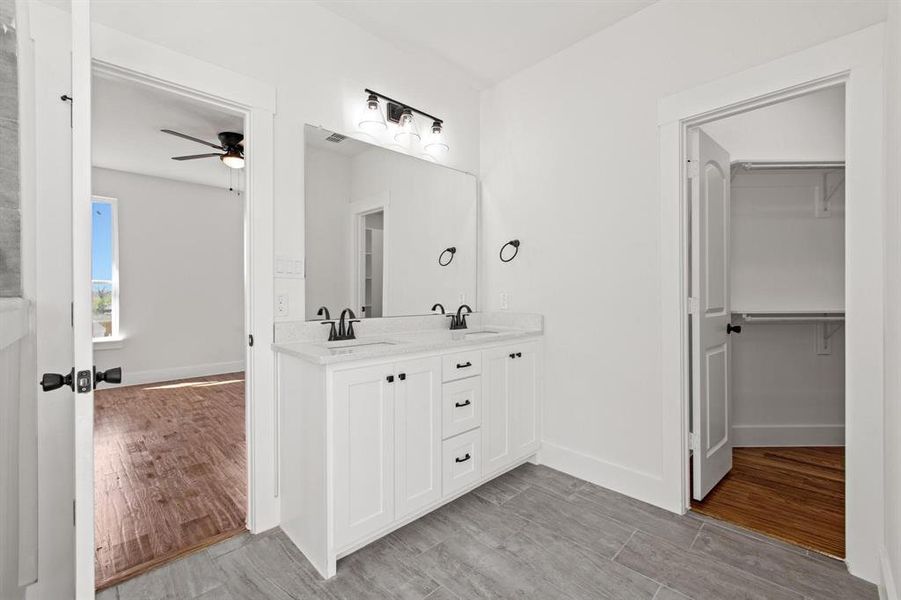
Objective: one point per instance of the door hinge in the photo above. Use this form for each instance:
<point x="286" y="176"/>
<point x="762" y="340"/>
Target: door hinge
<point x="692" y="169"/>
<point x="72" y="315"/>
<point x="73" y="512"/>
<point x="694" y="444"/>
<point x="693" y="305"/>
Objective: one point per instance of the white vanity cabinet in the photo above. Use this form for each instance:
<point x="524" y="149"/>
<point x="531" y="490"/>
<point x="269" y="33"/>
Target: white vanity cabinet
<point x="369" y="445"/>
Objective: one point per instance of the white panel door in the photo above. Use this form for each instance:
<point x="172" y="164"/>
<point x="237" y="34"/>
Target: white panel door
<point x="497" y="450"/>
<point x="364" y="452"/>
<point x="417" y="430"/>
<point x="524" y="395"/>
<point x="711" y="398"/>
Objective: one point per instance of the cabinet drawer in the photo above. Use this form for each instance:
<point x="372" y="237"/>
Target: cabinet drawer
<point x="462" y="364"/>
<point x="461" y="406"/>
<point x="462" y="461"/>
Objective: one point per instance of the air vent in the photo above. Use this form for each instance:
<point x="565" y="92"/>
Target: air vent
<point x="336" y="138"/>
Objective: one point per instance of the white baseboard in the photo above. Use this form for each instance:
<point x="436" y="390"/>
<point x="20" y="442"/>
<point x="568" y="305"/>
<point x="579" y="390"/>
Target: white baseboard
<point x="159" y="375"/>
<point x="643" y="486"/>
<point x="887" y="588"/>
<point x="788" y="435"/>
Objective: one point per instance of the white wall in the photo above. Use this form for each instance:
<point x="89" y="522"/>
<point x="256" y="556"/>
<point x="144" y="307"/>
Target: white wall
<point x="811" y="127"/>
<point x="181" y="278"/>
<point x="891" y="559"/>
<point x="571" y="172"/>
<point x="320" y="64"/>
<point x="785" y="259"/>
<point x="328" y="242"/>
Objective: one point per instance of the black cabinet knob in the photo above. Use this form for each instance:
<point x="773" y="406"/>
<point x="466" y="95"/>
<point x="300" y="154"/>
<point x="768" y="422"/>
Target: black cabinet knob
<point x="390" y="378"/>
<point x="402" y="376"/>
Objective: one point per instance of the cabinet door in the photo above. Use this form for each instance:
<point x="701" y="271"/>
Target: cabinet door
<point x="496" y="410"/>
<point x="417" y="428"/>
<point x="523" y="382"/>
<point x="364" y="452"/>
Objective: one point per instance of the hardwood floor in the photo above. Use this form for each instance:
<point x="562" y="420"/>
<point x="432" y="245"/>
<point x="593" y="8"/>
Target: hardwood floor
<point x="793" y="494"/>
<point x="170" y="465"/>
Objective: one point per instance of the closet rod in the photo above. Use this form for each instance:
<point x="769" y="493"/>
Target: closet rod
<point x="756" y="165"/>
<point x="792" y="318"/>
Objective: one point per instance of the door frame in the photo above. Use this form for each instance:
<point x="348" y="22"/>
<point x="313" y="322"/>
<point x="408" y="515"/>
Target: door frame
<point x="854" y="60"/>
<point x="122" y="56"/>
<point x="358" y="210"/>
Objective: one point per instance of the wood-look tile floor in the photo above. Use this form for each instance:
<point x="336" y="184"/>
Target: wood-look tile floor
<point x="169" y="471"/>
<point x="533" y="533"/>
<point x="794" y="494"/>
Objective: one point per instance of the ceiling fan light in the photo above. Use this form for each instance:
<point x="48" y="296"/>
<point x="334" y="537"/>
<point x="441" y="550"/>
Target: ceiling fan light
<point x="372" y="120"/>
<point x="408" y="131"/>
<point x="233" y="160"/>
<point x="435" y="142"/>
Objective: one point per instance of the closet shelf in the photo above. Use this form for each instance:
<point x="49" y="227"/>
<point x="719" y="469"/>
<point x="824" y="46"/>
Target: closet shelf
<point x="790" y="317"/>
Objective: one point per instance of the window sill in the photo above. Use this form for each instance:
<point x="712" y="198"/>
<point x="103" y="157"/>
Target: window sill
<point x="108" y="343"/>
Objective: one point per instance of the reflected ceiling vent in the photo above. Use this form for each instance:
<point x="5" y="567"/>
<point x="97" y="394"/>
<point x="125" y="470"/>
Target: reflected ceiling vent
<point x="336" y="138"/>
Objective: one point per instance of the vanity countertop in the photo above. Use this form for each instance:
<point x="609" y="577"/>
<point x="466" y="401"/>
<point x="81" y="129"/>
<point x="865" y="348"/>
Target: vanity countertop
<point x="394" y="344"/>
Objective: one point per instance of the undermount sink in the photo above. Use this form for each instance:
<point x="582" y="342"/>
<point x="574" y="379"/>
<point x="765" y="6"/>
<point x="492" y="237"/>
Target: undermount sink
<point x="478" y="334"/>
<point x="352" y="346"/>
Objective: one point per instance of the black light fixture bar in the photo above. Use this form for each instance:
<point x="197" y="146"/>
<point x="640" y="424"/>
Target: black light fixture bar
<point x="402" y="105"/>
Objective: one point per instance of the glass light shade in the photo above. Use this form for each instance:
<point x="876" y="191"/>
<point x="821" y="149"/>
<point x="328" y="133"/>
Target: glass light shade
<point x="435" y="142"/>
<point x="407" y="132"/>
<point x="372" y="119"/>
<point x="233" y="160"/>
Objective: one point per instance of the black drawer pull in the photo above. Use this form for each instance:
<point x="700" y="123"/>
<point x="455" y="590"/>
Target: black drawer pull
<point x="462" y="404"/>
<point x="464" y="365"/>
<point x="464" y="459"/>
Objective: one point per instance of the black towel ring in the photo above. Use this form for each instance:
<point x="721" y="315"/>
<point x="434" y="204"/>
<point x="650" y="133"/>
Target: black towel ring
<point x="515" y="244"/>
<point x="452" y="250"/>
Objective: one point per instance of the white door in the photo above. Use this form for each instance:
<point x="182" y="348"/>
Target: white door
<point x="711" y="398"/>
<point x="417" y="430"/>
<point x="496" y="410"/>
<point x="364" y="452"/>
<point x="524" y="400"/>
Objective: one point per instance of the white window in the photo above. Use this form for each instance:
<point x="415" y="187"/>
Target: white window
<point x="105" y="268"/>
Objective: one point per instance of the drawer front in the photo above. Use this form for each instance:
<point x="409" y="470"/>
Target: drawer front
<point x="462" y="461"/>
<point x="462" y="364"/>
<point x="461" y="406"/>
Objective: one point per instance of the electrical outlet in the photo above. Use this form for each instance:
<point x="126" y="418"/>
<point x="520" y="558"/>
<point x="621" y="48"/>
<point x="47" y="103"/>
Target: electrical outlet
<point x="505" y="301"/>
<point x="281" y="305"/>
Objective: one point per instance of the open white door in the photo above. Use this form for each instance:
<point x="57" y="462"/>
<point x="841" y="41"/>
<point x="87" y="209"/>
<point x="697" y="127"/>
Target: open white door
<point x="82" y="350"/>
<point x="711" y="398"/>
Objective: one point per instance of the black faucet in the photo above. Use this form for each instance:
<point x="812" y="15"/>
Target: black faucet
<point x="346" y="331"/>
<point x="458" y="321"/>
<point x="332" y="334"/>
<point x="439" y="305"/>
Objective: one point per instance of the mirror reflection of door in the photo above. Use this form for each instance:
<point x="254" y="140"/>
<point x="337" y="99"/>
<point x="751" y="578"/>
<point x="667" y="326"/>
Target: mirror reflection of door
<point x="372" y="264"/>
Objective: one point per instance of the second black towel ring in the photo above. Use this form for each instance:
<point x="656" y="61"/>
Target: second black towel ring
<point x="515" y="244"/>
<point x="452" y="250"/>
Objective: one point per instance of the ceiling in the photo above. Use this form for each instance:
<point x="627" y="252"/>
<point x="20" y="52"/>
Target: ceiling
<point x="127" y="118"/>
<point x="490" y="40"/>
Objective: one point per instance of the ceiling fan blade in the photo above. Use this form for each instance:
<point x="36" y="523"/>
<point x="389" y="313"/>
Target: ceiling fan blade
<point x="193" y="139"/>
<point x="194" y="156"/>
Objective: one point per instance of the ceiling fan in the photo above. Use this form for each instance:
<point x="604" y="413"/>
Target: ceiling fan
<point x="229" y="142"/>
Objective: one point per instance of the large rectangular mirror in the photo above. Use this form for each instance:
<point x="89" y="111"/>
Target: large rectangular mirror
<point x="387" y="234"/>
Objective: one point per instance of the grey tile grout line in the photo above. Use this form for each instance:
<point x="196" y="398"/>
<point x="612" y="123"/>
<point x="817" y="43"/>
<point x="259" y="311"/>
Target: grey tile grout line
<point x="754" y="535"/>
<point x="659" y="587"/>
<point x="695" y="538"/>
<point x="613" y="559"/>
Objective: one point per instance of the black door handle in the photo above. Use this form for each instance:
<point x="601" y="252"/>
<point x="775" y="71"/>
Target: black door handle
<point x="464" y="365"/>
<point x="464" y="459"/>
<point x="462" y="404"/>
<point x="730" y="328"/>
<point x="54" y="381"/>
<point x="109" y="376"/>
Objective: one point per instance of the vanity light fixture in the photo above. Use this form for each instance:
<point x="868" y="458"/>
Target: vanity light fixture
<point x="407" y="132"/>
<point x="372" y="121"/>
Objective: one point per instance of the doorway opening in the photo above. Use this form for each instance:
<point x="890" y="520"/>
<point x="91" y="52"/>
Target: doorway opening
<point x="766" y="271"/>
<point x="169" y="308"/>
<point x="371" y="260"/>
